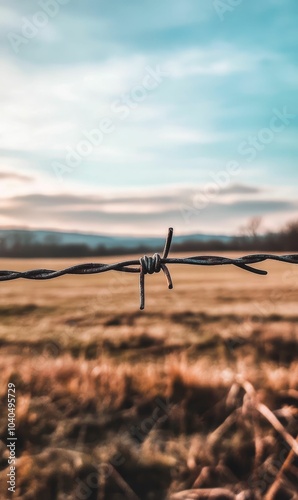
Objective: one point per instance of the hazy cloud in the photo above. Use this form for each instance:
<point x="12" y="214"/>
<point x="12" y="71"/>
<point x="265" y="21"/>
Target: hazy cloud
<point x="15" y="177"/>
<point x="241" y="189"/>
<point x="130" y="213"/>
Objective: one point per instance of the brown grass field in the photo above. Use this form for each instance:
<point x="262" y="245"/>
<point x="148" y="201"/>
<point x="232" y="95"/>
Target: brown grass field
<point x="198" y="392"/>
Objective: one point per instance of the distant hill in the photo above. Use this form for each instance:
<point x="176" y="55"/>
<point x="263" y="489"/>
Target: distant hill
<point x="20" y="243"/>
<point x="93" y="241"/>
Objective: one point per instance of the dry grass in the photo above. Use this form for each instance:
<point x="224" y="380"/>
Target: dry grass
<point x="114" y="403"/>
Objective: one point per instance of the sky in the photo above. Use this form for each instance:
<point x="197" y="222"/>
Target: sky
<point x="127" y="117"/>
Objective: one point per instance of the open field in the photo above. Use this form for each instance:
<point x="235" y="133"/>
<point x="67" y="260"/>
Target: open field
<point x="114" y="403"/>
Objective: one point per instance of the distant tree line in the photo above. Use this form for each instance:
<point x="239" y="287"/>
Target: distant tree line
<point x="285" y="240"/>
<point x="23" y="245"/>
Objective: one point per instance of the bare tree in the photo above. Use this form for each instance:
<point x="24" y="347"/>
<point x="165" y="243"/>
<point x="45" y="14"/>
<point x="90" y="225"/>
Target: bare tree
<point x="251" y="229"/>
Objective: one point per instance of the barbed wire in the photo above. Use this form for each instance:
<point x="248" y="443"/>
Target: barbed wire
<point x="150" y="265"/>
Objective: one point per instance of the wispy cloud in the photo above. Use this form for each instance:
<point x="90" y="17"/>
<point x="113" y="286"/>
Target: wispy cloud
<point x="145" y="211"/>
<point x="239" y="189"/>
<point x="13" y="176"/>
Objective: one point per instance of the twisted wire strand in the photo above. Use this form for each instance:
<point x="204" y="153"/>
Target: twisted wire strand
<point x="150" y="265"/>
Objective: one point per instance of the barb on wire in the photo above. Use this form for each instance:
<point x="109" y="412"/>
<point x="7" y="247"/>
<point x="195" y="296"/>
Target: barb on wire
<point x="151" y="265"/>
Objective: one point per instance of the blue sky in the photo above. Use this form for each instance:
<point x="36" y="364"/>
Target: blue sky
<point x="129" y="117"/>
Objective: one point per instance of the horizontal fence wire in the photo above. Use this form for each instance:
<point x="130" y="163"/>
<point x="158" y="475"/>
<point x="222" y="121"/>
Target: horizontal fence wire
<point x="150" y="265"/>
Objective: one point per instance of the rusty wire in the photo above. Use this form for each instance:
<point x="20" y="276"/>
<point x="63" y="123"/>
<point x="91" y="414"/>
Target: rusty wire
<point x="151" y="265"/>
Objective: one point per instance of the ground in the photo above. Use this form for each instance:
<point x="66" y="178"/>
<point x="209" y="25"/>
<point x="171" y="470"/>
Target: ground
<point x="116" y="403"/>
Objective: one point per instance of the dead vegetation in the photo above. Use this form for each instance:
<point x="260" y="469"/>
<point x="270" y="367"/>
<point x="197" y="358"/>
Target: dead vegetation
<point x="194" y="398"/>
